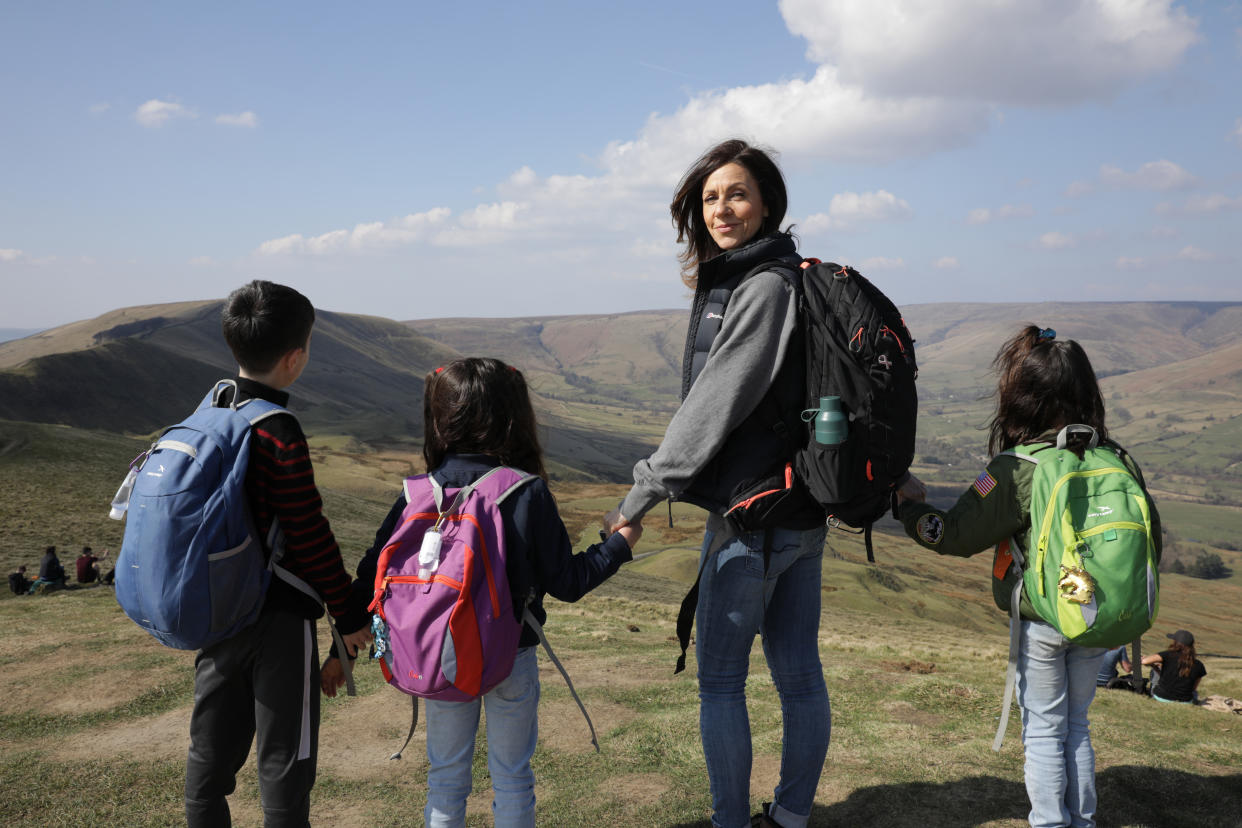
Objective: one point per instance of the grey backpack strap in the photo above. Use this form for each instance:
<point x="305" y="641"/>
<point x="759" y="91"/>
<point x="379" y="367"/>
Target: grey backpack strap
<point x="529" y="618"/>
<point x="413" y="724"/>
<point x="276" y="543"/>
<point x="1015" y="641"/>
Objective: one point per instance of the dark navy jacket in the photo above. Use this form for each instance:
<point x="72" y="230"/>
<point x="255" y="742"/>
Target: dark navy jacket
<point x="540" y="556"/>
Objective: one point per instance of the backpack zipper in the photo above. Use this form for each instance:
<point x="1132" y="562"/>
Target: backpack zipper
<point x="1046" y="526"/>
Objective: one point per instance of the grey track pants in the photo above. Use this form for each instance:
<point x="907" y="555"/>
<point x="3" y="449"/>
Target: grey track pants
<point x="264" y="683"/>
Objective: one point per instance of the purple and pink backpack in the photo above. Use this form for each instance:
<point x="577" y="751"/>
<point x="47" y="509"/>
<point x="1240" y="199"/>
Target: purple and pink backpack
<point x="444" y="621"/>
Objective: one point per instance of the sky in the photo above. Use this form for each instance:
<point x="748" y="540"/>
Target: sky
<point x="419" y="160"/>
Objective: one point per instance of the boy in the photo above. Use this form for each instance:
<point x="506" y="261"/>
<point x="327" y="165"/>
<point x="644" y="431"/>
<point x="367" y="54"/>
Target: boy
<point x="264" y="679"/>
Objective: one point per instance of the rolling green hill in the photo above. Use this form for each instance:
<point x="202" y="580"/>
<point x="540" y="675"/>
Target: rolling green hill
<point x="913" y="649"/>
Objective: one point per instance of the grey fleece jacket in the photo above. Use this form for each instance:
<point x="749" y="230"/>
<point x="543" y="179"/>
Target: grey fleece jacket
<point x="744" y="360"/>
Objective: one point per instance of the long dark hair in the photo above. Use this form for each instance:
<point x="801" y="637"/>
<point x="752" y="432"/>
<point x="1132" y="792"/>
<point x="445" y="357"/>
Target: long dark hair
<point x="1185" y="657"/>
<point x="1044" y="384"/>
<point x="480" y="406"/>
<point x="687" y="206"/>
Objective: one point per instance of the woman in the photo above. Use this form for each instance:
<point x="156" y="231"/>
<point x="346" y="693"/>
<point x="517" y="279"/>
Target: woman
<point x="1044" y="385"/>
<point x="741" y="395"/>
<point x="1178" y="672"/>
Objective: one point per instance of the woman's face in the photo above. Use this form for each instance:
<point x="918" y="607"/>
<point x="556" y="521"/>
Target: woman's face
<point x="732" y="207"/>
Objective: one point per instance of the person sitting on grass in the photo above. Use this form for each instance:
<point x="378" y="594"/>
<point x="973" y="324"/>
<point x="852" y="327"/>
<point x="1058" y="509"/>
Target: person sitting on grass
<point x="87" y="566"/>
<point x="1176" y="673"/>
<point x="19" y="584"/>
<point x="51" y="573"/>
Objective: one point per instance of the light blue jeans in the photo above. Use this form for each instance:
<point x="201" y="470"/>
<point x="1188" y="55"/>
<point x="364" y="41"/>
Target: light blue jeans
<point x="1056" y="683"/>
<point x="736" y="602"/>
<point x="512" y="731"/>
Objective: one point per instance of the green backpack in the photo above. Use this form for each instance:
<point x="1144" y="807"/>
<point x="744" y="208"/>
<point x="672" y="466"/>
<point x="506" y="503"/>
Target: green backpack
<point x="1090" y="570"/>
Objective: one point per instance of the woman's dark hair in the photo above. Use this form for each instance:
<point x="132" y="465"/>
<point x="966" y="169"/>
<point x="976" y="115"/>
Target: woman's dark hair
<point x="480" y="406"/>
<point x="1185" y="657"/>
<point x="1044" y="384"/>
<point x="687" y="206"/>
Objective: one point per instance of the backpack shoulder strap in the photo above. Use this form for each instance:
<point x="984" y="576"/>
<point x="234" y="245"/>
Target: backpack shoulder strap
<point x="529" y="618"/>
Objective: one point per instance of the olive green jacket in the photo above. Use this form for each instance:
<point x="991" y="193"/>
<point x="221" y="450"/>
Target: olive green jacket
<point x="995" y="509"/>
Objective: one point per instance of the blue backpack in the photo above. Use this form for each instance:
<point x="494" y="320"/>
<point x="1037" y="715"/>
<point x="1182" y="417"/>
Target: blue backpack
<point x="192" y="570"/>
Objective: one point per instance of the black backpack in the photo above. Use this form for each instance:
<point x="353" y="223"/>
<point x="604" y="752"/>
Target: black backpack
<point x="859" y="349"/>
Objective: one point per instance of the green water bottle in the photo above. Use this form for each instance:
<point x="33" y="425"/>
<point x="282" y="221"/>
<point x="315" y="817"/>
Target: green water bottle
<point x="831" y="422"/>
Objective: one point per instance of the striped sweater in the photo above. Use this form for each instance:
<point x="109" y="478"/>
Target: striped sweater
<point x="280" y="484"/>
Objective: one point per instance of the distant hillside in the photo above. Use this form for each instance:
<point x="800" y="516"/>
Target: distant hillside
<point x="142" y="368"/>
<point x="605" y="385"/>
<point x="16" y="333"/>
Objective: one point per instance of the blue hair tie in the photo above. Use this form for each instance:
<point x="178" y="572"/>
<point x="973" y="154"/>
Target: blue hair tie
<point x="1046" y="333"/>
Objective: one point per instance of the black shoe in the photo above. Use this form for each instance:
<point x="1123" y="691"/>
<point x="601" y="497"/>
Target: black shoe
<point x="762" y="819"/>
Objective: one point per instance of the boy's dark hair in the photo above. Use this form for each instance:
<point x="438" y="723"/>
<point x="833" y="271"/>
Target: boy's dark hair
<point x="687" y="206"/>
<point x="51" y="550"/>
<point x="480" y="406"/>
<point x="263" y="321"/>
<point x="1045" y="384"/>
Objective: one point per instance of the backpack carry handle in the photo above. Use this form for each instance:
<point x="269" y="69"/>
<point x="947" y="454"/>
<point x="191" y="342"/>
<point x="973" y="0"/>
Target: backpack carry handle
<point x="1070" y="431"/>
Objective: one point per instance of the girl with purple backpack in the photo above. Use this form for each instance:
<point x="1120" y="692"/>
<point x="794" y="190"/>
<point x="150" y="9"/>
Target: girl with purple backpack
<point x="477" y="416"/>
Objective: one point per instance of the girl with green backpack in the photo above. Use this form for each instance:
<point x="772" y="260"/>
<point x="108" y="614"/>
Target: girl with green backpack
<point x="1049" y="415"/>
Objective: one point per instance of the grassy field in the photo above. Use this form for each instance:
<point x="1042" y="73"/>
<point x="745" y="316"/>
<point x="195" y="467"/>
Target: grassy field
<point x="94" y="714"/>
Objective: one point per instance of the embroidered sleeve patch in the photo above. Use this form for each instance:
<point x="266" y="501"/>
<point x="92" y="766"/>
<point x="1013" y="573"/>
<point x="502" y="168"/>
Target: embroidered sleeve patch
<point x="930" y="528"/>
<point x="984" y="484"/>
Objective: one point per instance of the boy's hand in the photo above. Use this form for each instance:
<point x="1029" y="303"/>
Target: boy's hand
<point x="331" y="676"/>
<point x="631" y="532"/>
<point x="356" y="639"/>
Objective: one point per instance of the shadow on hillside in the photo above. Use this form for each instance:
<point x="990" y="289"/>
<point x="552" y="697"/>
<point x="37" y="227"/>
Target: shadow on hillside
<point x="1129" y="796"/>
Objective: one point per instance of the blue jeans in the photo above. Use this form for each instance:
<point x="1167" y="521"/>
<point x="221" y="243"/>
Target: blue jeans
<point x="1056" y="683"/>
<point x="512" y="731"/>
<point x="736" y="602"/>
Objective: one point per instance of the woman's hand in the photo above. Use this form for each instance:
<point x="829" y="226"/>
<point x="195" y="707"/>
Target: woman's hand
<point x="614" y="520"/>
<point x="331" y="676"/>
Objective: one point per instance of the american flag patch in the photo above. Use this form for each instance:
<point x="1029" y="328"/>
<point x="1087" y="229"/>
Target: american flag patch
<point x="984" y="483"/>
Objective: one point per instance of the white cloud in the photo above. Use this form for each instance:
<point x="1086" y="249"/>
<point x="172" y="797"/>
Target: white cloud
<point x="843" y="112"/>
<point x="881" y="263"/>
<point x="1079" y="188"/>
<point x="155" y="113"/>
<point x="1158" y="176"/>
<point x="1044" y="52"/>
<point x="1154" y="175"/>
<point x="1055" y="241"/>
<point x="405" y="230"/>
<point x="240" y="119"/>
<point x="1194" y="254"/>
<point x="9" y="254"/>
<point x="983" y="215"/>
<point x="1201" y="205"/>
<point x="946" y="263"/>
<point x="848" y="210"/>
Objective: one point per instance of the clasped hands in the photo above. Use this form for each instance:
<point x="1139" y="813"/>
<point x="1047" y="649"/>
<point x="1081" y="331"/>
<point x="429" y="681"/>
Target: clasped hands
<point x="614" y="521"/>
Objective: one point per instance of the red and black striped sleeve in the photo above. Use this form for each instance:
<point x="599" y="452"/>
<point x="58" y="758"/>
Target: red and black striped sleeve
<point x="283" y="488"/>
